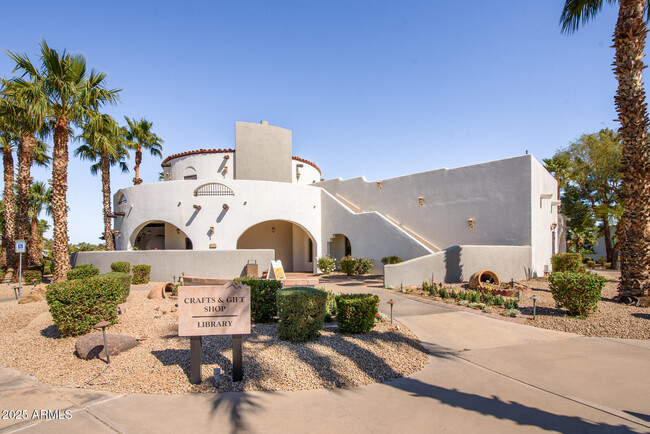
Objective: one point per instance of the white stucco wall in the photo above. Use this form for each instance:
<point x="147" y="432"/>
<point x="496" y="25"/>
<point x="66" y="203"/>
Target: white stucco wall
<point x="544" y="201"/>
<point x="308" y="173"/>
<point x="254" y="202"/>
<point x="207" y="166"/>
<point x="495" y="194"/>
<point x="263" y="152"/>
<point x="458" y="263"/>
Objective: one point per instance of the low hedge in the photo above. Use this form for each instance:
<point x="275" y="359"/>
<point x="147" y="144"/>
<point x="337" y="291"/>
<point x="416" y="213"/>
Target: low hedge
<point x="579" y="293"/>
<point x="33" y="276"/>
<point x="264" y="303"/>
<point x="121" y="267"/>
<point x="77" y="305"/>
<point x="355" y="313"/>
<point x="83" y="271"/>
<point x="302" y="312"/>
<point x="123" y="278"/>
<point x="141" y="274"/>
<point x="350" y="265"/>
<point x="571" y="262"/>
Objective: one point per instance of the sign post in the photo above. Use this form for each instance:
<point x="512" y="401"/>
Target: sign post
<point x="214" y="310"/>
<point x="20" y="248"/>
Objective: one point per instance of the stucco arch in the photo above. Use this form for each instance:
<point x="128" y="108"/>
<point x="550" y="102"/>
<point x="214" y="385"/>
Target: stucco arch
<point x="159" y="235"/>
<point x="189" y="173"/>
<point x="294" y="245"/>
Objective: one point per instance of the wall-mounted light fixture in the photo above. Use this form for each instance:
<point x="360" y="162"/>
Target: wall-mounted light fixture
<point x="211" y="230"/>
<point x="421" y="200"/>
<point x="225" y="206"/>
<point x="470" y="223"/>
<point x="225" y="170"/>
<point x="225" y="157"/>
<point x="168" y="176"/>
<point x="553" y="226"/>
<point x="379" y="185"/>
<point x="298" y="167"/>
<point x="117" y="233"/>
<point x="197" y="207"/>
<point x="178" y="231"/>
<point x="273" y="230"/>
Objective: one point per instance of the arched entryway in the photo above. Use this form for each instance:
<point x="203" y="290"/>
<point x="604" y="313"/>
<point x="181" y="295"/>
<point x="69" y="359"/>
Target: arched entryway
<point x="338" y="247"/>
<point x="293" y="245"/>
<point x="160" y="235"/>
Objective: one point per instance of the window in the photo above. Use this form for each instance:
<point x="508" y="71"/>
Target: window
<point x="214" y="189"/>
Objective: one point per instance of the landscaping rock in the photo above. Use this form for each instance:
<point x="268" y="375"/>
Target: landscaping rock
<point x="91" y="346"/>
<point x="37" y="294"/>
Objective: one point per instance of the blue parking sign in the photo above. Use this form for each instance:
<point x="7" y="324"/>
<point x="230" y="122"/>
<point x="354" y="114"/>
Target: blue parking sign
<point x="20" y="246"/>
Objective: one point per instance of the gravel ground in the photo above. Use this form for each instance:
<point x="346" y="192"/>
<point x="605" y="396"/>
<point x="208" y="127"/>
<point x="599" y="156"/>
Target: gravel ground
<point x="611" y="319"/>
<point x="160" y="364"/>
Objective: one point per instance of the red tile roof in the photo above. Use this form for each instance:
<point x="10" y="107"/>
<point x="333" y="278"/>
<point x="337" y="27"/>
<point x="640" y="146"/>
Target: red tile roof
<point x="166" y="161"/>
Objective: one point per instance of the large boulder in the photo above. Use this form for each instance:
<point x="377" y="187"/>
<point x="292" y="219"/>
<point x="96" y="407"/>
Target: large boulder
<point x="91" y="346"/>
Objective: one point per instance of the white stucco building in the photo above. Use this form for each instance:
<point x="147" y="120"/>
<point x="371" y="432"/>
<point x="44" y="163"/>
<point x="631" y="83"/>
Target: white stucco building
<point x="500" y="215"/>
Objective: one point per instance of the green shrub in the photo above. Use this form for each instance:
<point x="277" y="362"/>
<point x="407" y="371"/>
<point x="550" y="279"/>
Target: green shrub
<point x="83" y="271"/>
<point x="33" y="276"/>
<point x="577" y="292"/>
<point x="601" y="260"/>
<point x="301" y="311"/>
<point x="2" y="275"/>
<point x="123" y="278"/>
<point x="326" y="264"/>
<point x="77" y="305"/>
<point x="499" y="300"/>
<point x="356" y="312"/>
<point x="264" y="303"/>
<point x="121" y="267"/>
<point x="330" y="304"/>
<point x="350" y="265"/>
<point x="590" y="263"/>
<point x="444" y="293"/>
<point x="511" y="303"/>
<point x="568" y="262"/>
<point x="391" y="260"/>
<point x="47" y="267"/>
<point x="141" y="274"/>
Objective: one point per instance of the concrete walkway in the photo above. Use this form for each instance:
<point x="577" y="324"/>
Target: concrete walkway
<point x="484" y="375"/>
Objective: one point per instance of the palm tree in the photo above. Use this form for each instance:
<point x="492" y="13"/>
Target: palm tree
<point x="629" y="44"/>
<point x="25" y="106"/>
<point x="39" y="195"/>
<point x="71" y="92"/>
<point x="140" y="136"/>
<point x="104" y="141"/>
<point x="8" y="142"/>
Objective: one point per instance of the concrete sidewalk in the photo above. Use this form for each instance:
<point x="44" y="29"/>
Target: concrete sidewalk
<point x="483" y="375"/>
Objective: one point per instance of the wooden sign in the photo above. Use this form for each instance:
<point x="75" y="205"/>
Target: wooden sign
<point x="214" y="310"/>
<point x="276" y="272"/>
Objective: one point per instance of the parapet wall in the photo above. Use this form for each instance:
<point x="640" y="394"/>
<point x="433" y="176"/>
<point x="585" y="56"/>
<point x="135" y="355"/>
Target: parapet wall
<point x="458" y="263"/>
<point x="221" y="264"/>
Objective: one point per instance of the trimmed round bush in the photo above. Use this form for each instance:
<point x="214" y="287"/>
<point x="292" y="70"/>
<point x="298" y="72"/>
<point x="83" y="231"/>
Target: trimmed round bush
<point x="579" y="293"/>
<point x="302" y="312"/>
<point x="326" y="264"/>
<point x="568" y="262"/>
<point x="350" y="265"/>
<point x="356" y="312"/>
<point x="264" y="303"/>
<point x="125" y="282"/>
<point x="121" y="267"/>
<point x="33" y="276"/>
<point x="77" y="305"/>
<point x="141" y="274"/>
<point x="83" y="271"/>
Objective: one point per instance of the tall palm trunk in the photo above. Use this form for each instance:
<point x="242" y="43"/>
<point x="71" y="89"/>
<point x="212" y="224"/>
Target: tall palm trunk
<point x="8" y="236"/>
<point x="629" y="42"/>
<point x="138" y="159"/>
<point x="106" y="192"/>
<point x="25" y="157"/>
<point x="35" y="251"/>
<point x="59" y="198"/>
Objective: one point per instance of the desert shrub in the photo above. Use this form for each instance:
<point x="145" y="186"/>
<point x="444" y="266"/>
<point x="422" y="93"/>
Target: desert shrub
<point x="121" y="267"/>
<point x="141" y="274"/>
<point x="301" y="311"/>
<point x="511" y="303"/>
<point x="125" y="282"/>
<point x="577" y="292"/>
<point x="326" y="264"/>
<point x="444" y="293"/>
<point x="601" y="261"/>
<point x="487" y="309"/>
<point x="33" y="276"/>
<point x="83" y="271"/>
<point x="350" y="265"/>
<point x="2" y="275"/>
<point x="512" y="313"/>
<point x="567" y="262"/>
<point x="474" y="297"/>
<point x="463" y="303"/>
<point x="386" y="260"/>
<point x="499" y="300"/>
<point x="264" y="304"/>
<point x="77" y="305"/>
<point x="47" y="267"/>
<point x="356" y="312"/>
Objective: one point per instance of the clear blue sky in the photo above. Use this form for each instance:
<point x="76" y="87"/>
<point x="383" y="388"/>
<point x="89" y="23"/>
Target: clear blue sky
<point x="372" y="88"/>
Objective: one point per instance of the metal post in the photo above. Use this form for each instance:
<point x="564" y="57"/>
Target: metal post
<point x="20" y="273"/>
<point x="195" y="359"/>
<point x="534" y="298"/>
<point x="391" y="302"/>
<point x="237" y="368"/>
<point x="108" y="356"/>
